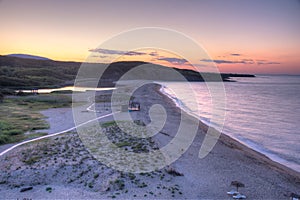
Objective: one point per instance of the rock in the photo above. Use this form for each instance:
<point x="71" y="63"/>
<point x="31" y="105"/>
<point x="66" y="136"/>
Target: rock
<point x="26" y="189"/>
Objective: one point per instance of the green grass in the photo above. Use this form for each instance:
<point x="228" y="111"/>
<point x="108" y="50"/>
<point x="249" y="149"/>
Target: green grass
<point x="19" y="115"/>
<point x="108" y="124"/>
<point x="123" y="144"/>
<point x="44" y="101"/>
<point x="12" y="132"/>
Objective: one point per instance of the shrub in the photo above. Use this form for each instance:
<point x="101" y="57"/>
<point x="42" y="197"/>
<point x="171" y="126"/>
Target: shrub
<point x="4" y="126"/>
<point x="131" y="176"/>
<point x="13" y="132"/>
<point x="4" y="139"/>
<point x="118" y="184"/>
<point x="32" y="160"/>
<point x="96" y="176"/>
<point x="173" y="172"/>
<point x="49" y="189"/>
<point x="1" y="97"/>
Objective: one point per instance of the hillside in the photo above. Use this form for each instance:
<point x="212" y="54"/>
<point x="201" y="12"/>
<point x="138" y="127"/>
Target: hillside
<point x="27" y="56"/>
<point x="20" y="73"/>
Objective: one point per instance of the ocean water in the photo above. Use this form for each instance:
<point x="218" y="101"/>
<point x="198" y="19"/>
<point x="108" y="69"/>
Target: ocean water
<point x="67" y="88"/>
<point x="261" y="112"/>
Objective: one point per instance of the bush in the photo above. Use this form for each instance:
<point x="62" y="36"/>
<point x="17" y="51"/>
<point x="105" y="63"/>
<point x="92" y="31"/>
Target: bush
<point x="173" y="172"/>
<point x="118" y="184"/>
<point x="13" y="132"/>
<point x="32" y="160"/>
<point x="49" y="189"/>
<point x="7" y="91"/>
<point x="1" y="97"/>
<point x="4" y="126"/>
<point x="4" y="139"/>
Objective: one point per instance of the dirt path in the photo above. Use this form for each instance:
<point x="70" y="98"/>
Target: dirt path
<point x="63" y="119"/>
<point x="54" y="134"/>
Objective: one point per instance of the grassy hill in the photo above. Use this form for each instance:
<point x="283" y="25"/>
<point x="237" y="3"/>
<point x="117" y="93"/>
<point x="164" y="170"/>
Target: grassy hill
<point x="20" y="73"/>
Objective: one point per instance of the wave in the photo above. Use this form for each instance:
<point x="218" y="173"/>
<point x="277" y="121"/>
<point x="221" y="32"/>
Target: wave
<point x="248" y="142"/>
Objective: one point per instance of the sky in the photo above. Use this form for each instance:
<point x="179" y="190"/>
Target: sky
<point x="240" y="36"/>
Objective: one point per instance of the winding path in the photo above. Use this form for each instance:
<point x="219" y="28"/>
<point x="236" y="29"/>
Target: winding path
<point x="89" y="109"/>
<point x="54" y="134"/>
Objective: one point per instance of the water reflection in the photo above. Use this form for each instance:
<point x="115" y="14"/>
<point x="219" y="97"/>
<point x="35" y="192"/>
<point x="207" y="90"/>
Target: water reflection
<point x="67" y="88"/>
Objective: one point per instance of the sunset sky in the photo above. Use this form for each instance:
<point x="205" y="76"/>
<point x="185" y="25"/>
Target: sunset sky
<point x="243" y="36"/>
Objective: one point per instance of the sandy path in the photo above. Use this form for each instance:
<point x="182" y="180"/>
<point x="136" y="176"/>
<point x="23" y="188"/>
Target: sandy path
<point x="54" y="134"/>
<point x="61" y="121"/>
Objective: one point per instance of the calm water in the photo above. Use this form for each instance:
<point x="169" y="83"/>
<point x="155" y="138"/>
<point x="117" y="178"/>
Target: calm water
<point x="261" y="112"/>
<point x="67" y="88"/>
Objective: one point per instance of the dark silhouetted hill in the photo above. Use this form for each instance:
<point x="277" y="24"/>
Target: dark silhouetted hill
<point x="20" y="73"/>
<point x="27" y="56"/>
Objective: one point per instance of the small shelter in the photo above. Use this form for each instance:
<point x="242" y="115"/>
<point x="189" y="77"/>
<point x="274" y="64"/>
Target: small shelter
<point x="134" y="106"/>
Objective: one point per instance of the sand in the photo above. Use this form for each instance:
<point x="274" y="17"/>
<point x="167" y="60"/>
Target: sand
<point x="71" y="171"/>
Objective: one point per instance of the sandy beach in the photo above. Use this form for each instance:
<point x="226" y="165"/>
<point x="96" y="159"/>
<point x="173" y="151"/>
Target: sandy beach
<point x="61" y="167"/>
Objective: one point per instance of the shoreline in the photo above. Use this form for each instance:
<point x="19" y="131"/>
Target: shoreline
<point x="256" y="163"/>
<point x="236" y="141"/>
<point x="207" y="178"/>
<point x="290" y="174"/>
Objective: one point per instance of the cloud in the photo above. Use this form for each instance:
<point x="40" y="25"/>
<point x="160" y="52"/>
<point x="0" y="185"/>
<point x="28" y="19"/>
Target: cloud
<point x="100" y="56"/>
<point x="236" y="54"/>
<point x="199" y="65"/>
<point x="216" y="61"/>
<point x="244" y="61"/>
<point x="116" y="52"/>
<point x="176" y="61"/>
<point x="264" y="62"/>
<point x="154" y="54"/>
<point x="248" y="61"/>
<point x="135" y="53"/>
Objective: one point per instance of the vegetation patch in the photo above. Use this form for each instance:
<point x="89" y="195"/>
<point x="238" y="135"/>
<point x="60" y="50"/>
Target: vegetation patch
<point x="108" y="124"/>
<point x="19" y="115"/>
<point x="117" y="184"/>
<point x="32" y="160"/>
<point x="127" y="141"/>
<point x="173" y="172"/>
<point x="49" y="189"/>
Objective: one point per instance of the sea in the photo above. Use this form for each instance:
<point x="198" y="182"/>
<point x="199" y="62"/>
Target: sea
<point x="261" y="112"/>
